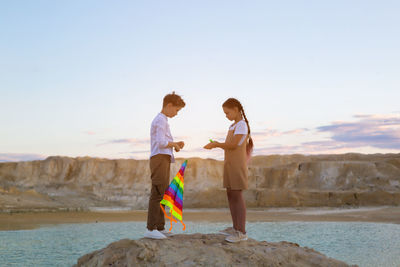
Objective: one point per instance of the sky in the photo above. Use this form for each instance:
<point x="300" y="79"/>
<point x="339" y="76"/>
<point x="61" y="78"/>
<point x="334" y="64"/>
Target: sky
<point x="86" y="78"/>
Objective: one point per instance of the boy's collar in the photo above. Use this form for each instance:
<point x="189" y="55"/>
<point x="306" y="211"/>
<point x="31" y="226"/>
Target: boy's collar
<point x="164" y="115"/>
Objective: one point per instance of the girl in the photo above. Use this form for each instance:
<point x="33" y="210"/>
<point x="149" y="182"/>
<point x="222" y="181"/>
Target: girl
<point x="238" y="146"/>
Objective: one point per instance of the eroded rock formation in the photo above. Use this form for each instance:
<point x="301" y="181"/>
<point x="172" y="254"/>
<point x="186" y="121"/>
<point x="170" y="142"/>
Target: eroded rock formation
<point x="274" y="181"/>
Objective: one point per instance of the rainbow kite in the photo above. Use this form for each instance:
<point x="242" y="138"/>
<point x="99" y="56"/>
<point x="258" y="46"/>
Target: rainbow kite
<point x="173" y="197"/>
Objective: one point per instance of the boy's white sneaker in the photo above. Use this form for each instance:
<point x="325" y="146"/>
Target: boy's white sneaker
<point x="155" y="234"/>
<point x="228" y="231"/>
<point x="166" y="232"/>
<point x="236" y="237"/>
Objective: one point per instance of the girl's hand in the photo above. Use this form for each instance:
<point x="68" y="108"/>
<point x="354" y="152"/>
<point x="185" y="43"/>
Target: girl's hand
<point x="211" y="145"/>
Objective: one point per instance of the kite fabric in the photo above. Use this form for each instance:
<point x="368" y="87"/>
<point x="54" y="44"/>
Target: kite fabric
<point x="173" y="197"/>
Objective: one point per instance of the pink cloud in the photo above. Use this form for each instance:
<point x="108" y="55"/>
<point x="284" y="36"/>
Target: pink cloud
<point x="130" y="141"/>
<point x="90" y="132"/>
<point x="11" y="157"/>
<point x="374" y="132"/>
<point x="380" y="131"/>
<point x="261" y="136"/>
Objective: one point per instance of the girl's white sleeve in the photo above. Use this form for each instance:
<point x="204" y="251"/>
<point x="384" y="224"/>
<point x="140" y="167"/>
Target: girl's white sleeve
<point x="241" y="128"/>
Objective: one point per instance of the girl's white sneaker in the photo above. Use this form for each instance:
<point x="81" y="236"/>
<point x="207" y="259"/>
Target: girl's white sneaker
<point x="228" y="231"/>
<point x="155" y="234"/>
<point x="236" y="237"/>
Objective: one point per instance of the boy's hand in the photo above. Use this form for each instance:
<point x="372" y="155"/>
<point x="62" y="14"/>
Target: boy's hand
<point x="177" y="147"/>
<point x="181" y="144"/>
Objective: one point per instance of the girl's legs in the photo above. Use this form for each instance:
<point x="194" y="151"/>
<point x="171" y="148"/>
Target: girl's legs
<point x="237" y="206"/>
<point x="230" y="201"/>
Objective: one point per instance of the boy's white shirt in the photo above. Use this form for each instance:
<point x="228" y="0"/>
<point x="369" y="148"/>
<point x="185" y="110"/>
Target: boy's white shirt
<point x="240" y="128"/>
<point x="160" y="135"/>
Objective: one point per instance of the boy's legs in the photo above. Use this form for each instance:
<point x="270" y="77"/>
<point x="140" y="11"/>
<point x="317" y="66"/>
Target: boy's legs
<point x="160" y="169"/>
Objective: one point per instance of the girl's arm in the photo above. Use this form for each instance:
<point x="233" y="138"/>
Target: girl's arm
<point x="231" y="145"/>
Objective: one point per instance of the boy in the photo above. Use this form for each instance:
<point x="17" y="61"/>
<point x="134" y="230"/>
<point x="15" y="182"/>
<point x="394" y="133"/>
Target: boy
<point x="160" y="158"/>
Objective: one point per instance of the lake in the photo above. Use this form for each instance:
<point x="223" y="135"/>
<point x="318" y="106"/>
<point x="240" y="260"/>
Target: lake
<point x="365" y="244"/>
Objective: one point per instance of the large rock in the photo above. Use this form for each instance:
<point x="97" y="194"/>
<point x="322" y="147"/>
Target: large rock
<point x="274" y="181"/>
<point x="204" y="250"/>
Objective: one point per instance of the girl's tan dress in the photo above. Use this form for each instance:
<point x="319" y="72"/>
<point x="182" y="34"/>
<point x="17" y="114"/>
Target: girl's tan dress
<point x="235" y="165"/>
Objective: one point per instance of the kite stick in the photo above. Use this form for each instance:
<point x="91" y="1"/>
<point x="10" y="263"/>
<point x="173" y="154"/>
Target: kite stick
<point x="169" y="217"/>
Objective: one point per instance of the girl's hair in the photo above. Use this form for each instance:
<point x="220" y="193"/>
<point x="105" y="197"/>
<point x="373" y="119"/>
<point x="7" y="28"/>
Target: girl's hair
<point x="174" y="99"/>
<point x="231" y="103"/>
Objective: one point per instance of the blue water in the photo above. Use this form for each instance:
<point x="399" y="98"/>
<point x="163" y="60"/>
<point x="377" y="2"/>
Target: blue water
<point x="365" y="244"/>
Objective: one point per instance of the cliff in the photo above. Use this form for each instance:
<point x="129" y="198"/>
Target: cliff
<point x="274" y="181"/>
<point x="204" y="250"/>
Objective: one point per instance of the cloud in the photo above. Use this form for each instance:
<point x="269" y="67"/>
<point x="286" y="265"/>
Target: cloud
<point x="89" y="133"/>
<point x="278" y="149"/>
<point x="380" y="131"/>
<point x="136" y="141"/>
<point x="377" y="131"/>
<point x="296" y="131"/>
<point x="11" y="157"/>
<point x="266" y="134"/>
<point x="315" y="147"/>
<point x="131" y="141"/>
<point x="368" y="133"/>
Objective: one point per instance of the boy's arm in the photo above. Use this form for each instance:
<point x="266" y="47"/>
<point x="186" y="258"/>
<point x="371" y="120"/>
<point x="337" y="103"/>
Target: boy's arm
<point x="174" y="145"/>
<point x="160" y="136"/>
<point x="161" y="140"/>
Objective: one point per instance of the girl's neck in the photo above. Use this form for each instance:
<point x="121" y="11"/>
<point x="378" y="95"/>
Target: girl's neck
<point x="238" y="118"/>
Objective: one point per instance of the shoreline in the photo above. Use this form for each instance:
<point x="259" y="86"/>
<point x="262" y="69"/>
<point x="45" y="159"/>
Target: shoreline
<point x="26" y="220"/>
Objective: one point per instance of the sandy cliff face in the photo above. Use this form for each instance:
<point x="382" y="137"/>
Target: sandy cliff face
<point x="293" y="180"/>
<point x="331" y="180"/>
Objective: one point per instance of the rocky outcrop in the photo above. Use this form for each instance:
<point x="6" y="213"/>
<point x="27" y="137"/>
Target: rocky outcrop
<point x="274" y="181"/>
<point x="204" y="250"/>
